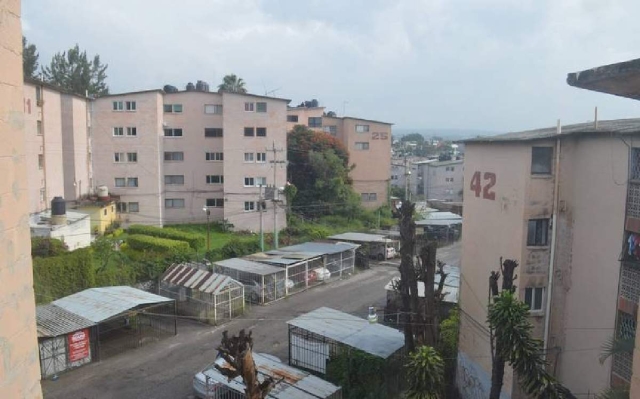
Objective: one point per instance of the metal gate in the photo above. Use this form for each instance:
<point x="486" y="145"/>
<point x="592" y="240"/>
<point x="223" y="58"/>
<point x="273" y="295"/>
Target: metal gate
<point x="53" y="355"/>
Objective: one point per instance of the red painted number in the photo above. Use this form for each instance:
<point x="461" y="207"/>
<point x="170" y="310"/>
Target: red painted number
<point x="477" y="188"/>
<point x="27" y="105"/>
<point x="380" y="136"/>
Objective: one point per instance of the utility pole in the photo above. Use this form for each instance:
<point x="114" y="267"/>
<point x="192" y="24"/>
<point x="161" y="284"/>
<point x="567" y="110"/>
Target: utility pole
<point x="208" y="212"/>
<point x="260" y="209"/>
<point x="275" y="163"/>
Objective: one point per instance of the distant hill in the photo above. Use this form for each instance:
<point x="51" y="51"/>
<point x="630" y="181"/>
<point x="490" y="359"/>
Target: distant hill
<point x="447" y="134"/>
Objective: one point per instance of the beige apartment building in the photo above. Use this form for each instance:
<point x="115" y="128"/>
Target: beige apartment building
<point x="19" y="368"/>
<point x="369" y="146"/>
<point x="171" y="157"/>
<point x="57" y="135"/>
<point x="556" y="203"/>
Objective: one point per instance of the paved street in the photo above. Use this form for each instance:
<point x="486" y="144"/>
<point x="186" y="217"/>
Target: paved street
<point x="164" y="370"/>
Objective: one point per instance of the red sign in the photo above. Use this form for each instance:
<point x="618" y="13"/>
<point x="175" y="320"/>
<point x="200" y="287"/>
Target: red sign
<point x="78" y="345"/>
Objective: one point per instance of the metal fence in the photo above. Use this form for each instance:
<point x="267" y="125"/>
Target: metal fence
<point x="206" y="307"/>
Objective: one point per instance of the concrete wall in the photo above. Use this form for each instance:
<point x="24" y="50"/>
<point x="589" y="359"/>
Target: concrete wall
<point x="148" y="144"/>
<point x="436" y="180"/>
<point x="303" y="116"/>
<point x="19" y="368"/>
<point x="76" y="147"/>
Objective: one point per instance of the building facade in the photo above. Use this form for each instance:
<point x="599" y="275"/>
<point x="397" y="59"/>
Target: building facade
<point x="173" y="157"/>
<point x="441" y="180"/>
<point x="369" y="146"/>
<point x="557" y="204"/>
<point x="19" y="368"/>
<point x="57" y="135"/>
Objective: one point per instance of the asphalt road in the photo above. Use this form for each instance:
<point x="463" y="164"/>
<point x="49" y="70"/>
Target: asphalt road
<point x="164" y="370"/>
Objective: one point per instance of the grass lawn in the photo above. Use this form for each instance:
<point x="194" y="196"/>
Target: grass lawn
<point x="218" y="239"/>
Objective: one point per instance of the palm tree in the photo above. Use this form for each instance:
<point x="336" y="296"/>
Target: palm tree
<point x="615" y="346"/>
<point x="233" y="84"/>
<point x="425" y="374"/>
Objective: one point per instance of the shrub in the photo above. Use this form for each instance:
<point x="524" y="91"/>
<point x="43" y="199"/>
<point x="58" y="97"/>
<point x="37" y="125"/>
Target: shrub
<point x="59" y="276"/>
<point x="195" y="241"/>
<point x="234" y="249"/>
<point x="141" y="242"/>
<point x="45" y="247"/>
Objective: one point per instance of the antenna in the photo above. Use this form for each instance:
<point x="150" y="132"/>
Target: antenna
<point x="272" y="92"/>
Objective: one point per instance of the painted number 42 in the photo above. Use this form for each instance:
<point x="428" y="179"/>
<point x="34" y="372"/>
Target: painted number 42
<point x="489" y="182"/>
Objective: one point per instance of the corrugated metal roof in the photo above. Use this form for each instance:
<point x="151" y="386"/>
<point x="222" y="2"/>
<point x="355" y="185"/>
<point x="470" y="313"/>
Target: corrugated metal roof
<point x="190" y="276"/>
<point x="376" y="339"/>
<point x="53" y="321"/>
<point x="360" y="237"/>
<point x="605" y="128"/>
<point x="100" y="304"/>
<point x="325" y="248"/>
<point x="296" y="384"/>
<point x="245" y="265"/>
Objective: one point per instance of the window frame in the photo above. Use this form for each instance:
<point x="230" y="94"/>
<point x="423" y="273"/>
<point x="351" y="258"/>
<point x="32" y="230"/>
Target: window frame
<point x="119" y="157"/>
<point x="209" y="179"/>
<point x="39" y="131"/>
<point x="315" y="119"/>
<point x="117" y="106"/>
<point x="169" y="180"/>
<point x="538" y="165"/>
<point x="172" y="108"/>
<point x="123" y="180"/>
<point x="249" y="107"/>
<point x="251" y="180"/>
<point x="40" y="161"/>
<point x="130" y="206"/>
<point x="261" y="132"/>
<point x="364" y="144"/>
<point x="293" y="118"/>
<point x="117" y="129"/>
<point x="173" y="160"/>
<point x="249" y="157"/>
<point x="249" y="131"/>
<point x="130" y="106"/>
<point x="217" y="202"/>
<point x="216" y="107"/>
<point x="173" y="130"/>
<point x="362" y="128"/>
<point x="262" y="155"/>
<point x="172" y="201"/>
<point x="131" y="155"/>
<point x="133" y="179"/>
<point x="533" y="296"/>
<point x="214" y="156"/>
<point x="249" y="206"/>
<point x="258" y="104"/>
<point x="132" y="131"/>
<point x="262" y="179"/>
<point x="213" y="132"/>
<point x="540" y="232"/>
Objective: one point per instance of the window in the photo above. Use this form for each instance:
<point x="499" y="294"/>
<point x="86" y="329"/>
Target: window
<point x="261" y="107"/>
<point x="40" y="161"/>
<point x="132" y="182"/>
<point x="121" y="207"/>
<point x="248" y="156"/>
<point x="315" y="121"/>
<point x="248" y="132"/>
<point x="538" y="232"/>
<point x="118" y="105"/>
<point x="134" y="207"/>
<point x="362" y="128"/>
<point x="42" y="195"/>
<point x="174" y="179"/>
<point x="38" y="95"/>
<point x="213" y="109"/>
<point x="173" y="108"/>
<point x="173" y="156"/>
<point x="261" y="157"/>
<point x="248" y="107"/>
<point x="331" y="129"/>
<point x="261" y="181"/>
<point x="118" y="157"/>
<point x="261" y="131"/>
<point x="449" y="179"/>
<point x="292" y="118"/>
<point x="132" y="131"/>
<point x="120" y="182"/>
<point x="249" y="182"/>
<point x="172" y="132"/>
<point x="215" y="202"/>
<point x="449" y="168"/>
<point x="215" y="179"/>
<point x="214" y="156"/>
<point x="541" y="158"/>
<point x="533" y="297"/>
<point x="249" y="206"/>
<point x="132" y="157"/>
<point x="130" y="105"/>
<point x="212" y="132"/>
<point x="362" y="146"/>
<point x="174" y="203"/>
<point x="39" y="128"/>
<point x="118" y="131"/>
<point x="369" y="197"/>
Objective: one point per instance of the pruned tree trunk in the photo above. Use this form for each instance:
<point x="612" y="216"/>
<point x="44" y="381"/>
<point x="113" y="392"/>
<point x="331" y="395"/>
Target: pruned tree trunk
<point x="407" y="238"/>
<point x="428" y="263"/>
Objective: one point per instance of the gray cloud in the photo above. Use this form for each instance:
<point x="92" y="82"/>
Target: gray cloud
<point x="492" y="64"/>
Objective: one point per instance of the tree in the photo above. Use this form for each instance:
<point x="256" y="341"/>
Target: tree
<point x="512" y="341"/>
<point x="416" y="137"/>
<point x="73" y="71"/>
<point x="238" y="355"/>
<point x="425" y="374"/>
<point x="29" y="58"/>
<point x="617" y="346"/>
<point x="233" y="84"/>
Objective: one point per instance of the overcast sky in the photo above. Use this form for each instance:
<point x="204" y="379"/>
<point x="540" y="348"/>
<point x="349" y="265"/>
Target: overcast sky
<point x="497" y="65"/>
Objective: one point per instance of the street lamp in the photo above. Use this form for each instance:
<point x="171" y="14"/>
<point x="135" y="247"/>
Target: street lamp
<point x="208" y="212"/>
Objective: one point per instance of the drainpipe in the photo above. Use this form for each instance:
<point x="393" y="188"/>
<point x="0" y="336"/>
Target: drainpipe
<point x="552" y="256"/>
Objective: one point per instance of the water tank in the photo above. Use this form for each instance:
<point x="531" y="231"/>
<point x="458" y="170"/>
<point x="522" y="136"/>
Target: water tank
<point x="103" y="192"/>
<point x="202" y="86"/>
<point x="58" y="206"/>
<point x="170" y="89"/>
<point x="190" y="87"/>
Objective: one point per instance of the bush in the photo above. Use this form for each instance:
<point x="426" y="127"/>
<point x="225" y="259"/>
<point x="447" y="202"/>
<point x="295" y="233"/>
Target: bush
<point x="234" y="249"/>
<point x="59" y="276"/>
<point x="195" y="241"/>
<point x="360" y="374"/>
<point x="142" y="242"/>
<point x="45" y="247"/>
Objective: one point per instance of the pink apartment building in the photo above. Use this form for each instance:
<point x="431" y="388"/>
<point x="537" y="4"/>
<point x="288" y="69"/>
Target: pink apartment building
<point x="173" y="156"/>
<point x="368" y="143"/>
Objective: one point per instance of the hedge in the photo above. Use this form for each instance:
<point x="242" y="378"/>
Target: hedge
<point x="59" y="276"/>
<point x="141" y="242"/>
<point x="195" y="241"/>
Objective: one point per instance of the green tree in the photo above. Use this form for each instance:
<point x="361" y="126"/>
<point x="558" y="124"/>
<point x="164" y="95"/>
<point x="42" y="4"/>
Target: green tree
<point x="43" y="247"/>
<point x="72" y="70"/>
<point x="233" y="84"/>
<point x="29" y="58"/>
<point x="416" y="137"/>
<point x="425" y="374"/>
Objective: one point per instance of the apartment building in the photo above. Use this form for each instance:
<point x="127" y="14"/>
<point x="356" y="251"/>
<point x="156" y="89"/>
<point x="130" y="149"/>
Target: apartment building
<point x="556" y="203"/>
<point x="57" y="136"/>
<point x="440" y="180"/>
<point x="19" y="368"/>
<point x="173" y="157"/>
<point x="368" y="143"/>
